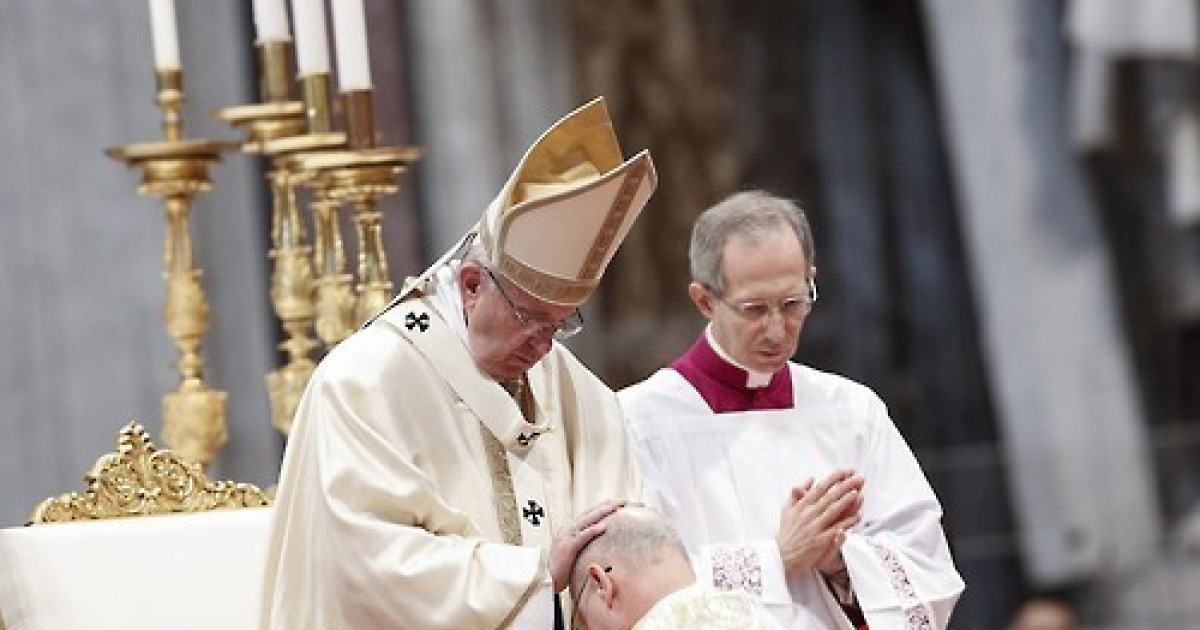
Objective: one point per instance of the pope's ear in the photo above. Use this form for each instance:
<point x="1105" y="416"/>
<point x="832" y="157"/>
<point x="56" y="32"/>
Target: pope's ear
<point x="701" y="298"/>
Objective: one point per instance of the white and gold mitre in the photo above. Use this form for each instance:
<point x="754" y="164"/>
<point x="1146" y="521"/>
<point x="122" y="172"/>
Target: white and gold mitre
<point x="560" y="217"/>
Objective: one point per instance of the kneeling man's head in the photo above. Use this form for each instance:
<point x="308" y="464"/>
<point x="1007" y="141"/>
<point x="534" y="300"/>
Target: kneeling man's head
<point x="637" y="561"/>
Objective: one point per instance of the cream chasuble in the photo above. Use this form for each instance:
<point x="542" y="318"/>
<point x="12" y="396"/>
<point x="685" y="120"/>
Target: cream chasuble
<point x="387" y="515"/>
<point x="700" y="607"/>
<point x="723" y="478"/>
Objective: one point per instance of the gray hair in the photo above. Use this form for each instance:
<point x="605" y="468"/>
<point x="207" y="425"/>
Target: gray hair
<point x="749" y="214"/>
<point x="633" y="536"/>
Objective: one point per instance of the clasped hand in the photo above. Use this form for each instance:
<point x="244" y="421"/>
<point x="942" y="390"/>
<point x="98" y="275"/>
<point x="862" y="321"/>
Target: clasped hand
<point x="814" y="522"/>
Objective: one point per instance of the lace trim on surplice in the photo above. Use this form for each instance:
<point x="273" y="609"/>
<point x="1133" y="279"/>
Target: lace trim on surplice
<point x="916" y="617"/>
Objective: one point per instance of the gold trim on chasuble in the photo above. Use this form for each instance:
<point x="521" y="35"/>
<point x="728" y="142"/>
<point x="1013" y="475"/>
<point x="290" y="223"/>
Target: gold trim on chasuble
<point x="503" y="494"/>
<point x="502" y="484"/>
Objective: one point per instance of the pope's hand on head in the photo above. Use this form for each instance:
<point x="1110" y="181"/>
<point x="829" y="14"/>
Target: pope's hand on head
<point x="570" y="540"/>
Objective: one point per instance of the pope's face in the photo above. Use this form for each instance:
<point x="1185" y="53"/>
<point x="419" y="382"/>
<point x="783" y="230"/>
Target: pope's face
<point x="502" y="345"/>
<point x="751" y="319"/>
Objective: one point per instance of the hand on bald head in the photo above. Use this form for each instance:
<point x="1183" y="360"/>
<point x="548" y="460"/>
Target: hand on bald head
<point x="636" y="561"/>
<point x="634" y="534"/>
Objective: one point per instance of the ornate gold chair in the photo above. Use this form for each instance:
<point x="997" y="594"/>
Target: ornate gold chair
<point x="150" y="543"/>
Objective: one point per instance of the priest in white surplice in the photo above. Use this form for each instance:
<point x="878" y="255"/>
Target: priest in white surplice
<point x="444" y="461"/>
<point x="784" y="481"/>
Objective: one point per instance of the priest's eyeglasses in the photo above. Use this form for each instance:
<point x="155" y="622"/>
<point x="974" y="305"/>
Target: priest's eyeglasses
<point x="789" y="308"/>
<point x="534" y="327"/>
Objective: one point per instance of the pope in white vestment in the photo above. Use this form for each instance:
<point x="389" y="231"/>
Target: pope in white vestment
<point x="726" y="432"/>
<point x="417" y="491"/>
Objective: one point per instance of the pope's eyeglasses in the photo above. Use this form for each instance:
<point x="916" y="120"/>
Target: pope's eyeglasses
<point x="561" y="331"/>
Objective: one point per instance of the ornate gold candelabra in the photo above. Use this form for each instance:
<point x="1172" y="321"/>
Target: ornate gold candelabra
<point x="277" y="127"/>
<point x="335" y="290"/>
<point x="358" y="176"/>
<point x="176" y="169"/>
<point x="332" y="318"/>
<point x="311" y="289"/>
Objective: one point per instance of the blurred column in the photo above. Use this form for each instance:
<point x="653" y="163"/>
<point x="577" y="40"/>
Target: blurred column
<point x="1073" y="429"/>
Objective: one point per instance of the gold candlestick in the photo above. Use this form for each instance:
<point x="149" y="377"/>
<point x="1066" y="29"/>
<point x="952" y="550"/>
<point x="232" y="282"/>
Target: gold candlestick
<point x="361" y="178"/>
<point x="335" y="292"/>
<point x="169" y="97"/>
<point x="276" y="128"/>
<point x="316" y="102"/>
<point x="292" y="298"/>
<point x="360" y="119"/>
<point x="334" y="298"/>
<point x="275" y="68"/>
<point x="176" y="170"/>
<point x="291" y="273"/>
<point x="334" y="302"/>
<point x="374" y="282"/>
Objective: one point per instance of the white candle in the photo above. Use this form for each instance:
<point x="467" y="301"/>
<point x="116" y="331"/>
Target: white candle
<point x="164" y="33"/>
<point x="350" y="40"/>
<point x="271" y="21"/>
<point x="312" y="47"/>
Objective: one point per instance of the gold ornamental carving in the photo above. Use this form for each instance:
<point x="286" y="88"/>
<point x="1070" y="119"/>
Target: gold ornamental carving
<point x="139" y="480"/>
<point x="176" y="170"/>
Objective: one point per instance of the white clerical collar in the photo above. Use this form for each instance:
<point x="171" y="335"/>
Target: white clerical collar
<point x="447" y="299"/>
<point x="754" y="380"/>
